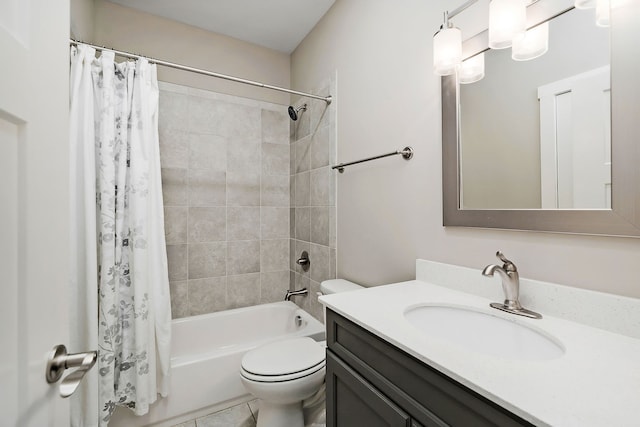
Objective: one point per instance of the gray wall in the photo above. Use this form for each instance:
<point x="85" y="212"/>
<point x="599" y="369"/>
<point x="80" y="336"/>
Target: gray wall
<point x="313" y="206"/>
<point x="225" y="178"/>
<point x="390" y="211"/>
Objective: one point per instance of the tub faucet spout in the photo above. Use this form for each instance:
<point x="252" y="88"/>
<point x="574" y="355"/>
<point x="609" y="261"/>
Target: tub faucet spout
<point x="510" y="286"/>
<point x="303" y="291"/>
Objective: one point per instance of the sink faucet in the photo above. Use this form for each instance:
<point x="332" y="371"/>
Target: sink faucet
<point x="303" y="291"/>
<point x="511" y="287"/>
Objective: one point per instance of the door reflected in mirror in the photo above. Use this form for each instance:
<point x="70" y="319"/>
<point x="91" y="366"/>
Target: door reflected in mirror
<point x="537" y="134"/>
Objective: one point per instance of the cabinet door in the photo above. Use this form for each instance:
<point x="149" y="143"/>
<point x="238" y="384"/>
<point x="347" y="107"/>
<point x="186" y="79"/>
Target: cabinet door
<point x="352" y="401"/>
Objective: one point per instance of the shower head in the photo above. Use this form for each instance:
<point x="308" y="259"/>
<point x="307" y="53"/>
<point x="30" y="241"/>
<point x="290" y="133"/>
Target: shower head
<point x="293" y="112"/>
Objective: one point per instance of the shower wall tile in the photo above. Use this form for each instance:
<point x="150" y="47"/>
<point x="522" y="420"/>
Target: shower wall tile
<point x="275" y="190"/>
<point x="207" y="224"/>
<point x="293" y="255"/>
<point x="179" y="299"/>
<point x="320" y="225"/>
<point x="243" y="257"/>
<point x="239" y="122"/>
<point x="275" y="223"/>
<point x="174" y="187"/>
<point x="275" y="127"/>
<point x="243" y="188"/>
<point x="274" y="255"/>
<point x="303" y="224"/>
<point x="177" y="261"/>
<point x="172" y="113"/>
<point x="207" y="295"/>
<point x="303" y="155"/>
<point x="273" y="286"/>
<point x="207" y="187"/>
<point x="320" y="264"/>
<point x="243" y="156"/>
<point x="243" y="290"/>
<point x="229" y="188"/>
<point x="320" y="148"/>
<point x="207" y="152"/>
<point x="175" y="224"/>
<point x="207" y="260"/>
<point x="320" y="186"/>
<point x="275" y="159"/>
<point x="243" y="223"/>
<point x="174" y="148"/>
<point x="292" y="222"/>
<point x="302" y="189"/>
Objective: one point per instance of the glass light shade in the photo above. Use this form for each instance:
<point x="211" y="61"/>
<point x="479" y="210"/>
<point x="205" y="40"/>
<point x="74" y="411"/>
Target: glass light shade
<point x="506" y="19"/>
<point x="603" y="13"/>
<point x="472" y="69"/>
<point x="585" y="4"/>
<point x="531" y="44"/>
<point x="447" y="51"/>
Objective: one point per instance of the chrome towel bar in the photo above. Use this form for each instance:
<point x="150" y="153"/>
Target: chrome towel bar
<point x="406" y="152"/>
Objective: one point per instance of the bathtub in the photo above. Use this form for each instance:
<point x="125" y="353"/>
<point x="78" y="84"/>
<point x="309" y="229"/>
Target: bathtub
<point x="206" y="352"/>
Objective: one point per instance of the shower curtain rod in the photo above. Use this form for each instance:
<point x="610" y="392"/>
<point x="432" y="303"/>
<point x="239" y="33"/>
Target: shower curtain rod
<point x="326" y="99"/>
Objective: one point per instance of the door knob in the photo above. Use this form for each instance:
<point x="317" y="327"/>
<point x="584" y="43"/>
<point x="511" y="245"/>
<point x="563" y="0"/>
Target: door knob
<point x="59" y="361"/>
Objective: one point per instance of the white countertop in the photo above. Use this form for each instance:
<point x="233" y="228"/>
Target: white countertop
<point x="595" y="383"/>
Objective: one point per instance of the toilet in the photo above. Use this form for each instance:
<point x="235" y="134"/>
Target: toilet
<point x="282" y="374"/>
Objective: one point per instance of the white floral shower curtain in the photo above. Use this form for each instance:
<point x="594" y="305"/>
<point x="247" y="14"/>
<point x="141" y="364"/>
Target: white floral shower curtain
<point x="118" y="240"/>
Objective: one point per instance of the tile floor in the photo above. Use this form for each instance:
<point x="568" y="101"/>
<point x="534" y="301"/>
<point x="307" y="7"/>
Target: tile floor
<point x="243" y="415"/>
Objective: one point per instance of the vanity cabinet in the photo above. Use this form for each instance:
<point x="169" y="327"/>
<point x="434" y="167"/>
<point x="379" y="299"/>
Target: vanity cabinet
<point x="373" y="383"/>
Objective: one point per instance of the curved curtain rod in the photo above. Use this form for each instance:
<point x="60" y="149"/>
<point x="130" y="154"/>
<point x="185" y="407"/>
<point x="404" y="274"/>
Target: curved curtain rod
<point x="326" y="99"/>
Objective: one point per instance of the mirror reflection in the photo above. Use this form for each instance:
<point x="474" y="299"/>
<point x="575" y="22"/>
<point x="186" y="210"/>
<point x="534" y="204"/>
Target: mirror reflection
<point x="537" y="134"/>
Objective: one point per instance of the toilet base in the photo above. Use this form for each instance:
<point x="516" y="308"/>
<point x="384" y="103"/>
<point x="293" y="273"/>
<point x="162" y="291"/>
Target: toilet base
<point x="279" y="415"/>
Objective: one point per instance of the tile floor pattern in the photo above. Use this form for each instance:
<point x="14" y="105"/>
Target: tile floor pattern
<point x="243" y="415"/>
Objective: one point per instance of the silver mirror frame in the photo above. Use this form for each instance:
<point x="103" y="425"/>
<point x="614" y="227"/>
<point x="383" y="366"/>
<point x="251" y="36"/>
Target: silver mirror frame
<point x="624" y="217"/>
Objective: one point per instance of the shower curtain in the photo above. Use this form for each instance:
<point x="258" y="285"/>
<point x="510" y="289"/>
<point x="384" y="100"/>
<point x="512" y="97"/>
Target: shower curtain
<point x="121" y="287"/>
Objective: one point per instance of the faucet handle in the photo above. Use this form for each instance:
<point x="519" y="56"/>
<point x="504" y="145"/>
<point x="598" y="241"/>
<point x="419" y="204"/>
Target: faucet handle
<point x="508" y="265"/>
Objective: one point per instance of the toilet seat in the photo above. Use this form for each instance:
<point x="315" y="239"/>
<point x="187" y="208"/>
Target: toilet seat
<point x="284" y="360"/>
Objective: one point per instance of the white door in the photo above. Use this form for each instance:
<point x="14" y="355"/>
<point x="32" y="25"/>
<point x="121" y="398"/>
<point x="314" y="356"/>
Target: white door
<point x="34" y="207"/>
<point x="575" y="141"/>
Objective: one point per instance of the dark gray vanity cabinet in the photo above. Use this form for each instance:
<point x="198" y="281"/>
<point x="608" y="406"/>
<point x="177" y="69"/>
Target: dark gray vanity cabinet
<point x="373" y="383"/>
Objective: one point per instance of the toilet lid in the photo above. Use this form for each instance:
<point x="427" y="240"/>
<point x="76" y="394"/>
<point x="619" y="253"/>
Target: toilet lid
<point x="284" y="357"/>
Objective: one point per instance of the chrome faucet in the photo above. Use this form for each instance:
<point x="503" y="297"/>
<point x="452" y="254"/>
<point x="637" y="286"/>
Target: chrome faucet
<point x="303" y="291"/>
<point x="510" y="286"/>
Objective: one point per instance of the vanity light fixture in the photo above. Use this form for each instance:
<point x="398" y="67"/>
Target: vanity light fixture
<point x="531" y="44"/>
<point x="447" y="48"/>
<point x="472" y="69"/>
<point x="507" y="18"/>
<point x="603" y="12"/>
<point x="585" y="4"/>
<point x="447" y="44"/>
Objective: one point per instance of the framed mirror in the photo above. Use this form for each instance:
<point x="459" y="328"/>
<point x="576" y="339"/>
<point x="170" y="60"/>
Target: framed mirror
<point x="551" y="144"/>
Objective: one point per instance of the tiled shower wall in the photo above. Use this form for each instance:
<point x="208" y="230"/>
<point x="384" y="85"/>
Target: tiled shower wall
<point x="226" y="186"/>
<point x="313" y="195"/>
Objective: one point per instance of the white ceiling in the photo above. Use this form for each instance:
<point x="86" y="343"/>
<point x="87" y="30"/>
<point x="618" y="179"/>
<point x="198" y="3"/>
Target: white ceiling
<point x="276" y="24"/>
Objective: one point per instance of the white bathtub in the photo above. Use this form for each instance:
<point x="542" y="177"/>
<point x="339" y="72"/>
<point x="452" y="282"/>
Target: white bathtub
<point x="206" y="352"/>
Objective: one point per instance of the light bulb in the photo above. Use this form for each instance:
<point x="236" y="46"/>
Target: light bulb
<point x="472" y="69"/>
<point x="585" y="4"/>
<point x="603" y="12"/>
<point x="531" y="44"/>
<point x="447" y="51"/>
<point x="506" y="19"/>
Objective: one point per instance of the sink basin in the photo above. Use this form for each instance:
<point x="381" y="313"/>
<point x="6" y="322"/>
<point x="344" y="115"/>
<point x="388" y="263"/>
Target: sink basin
<point x="483" y="332"/>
